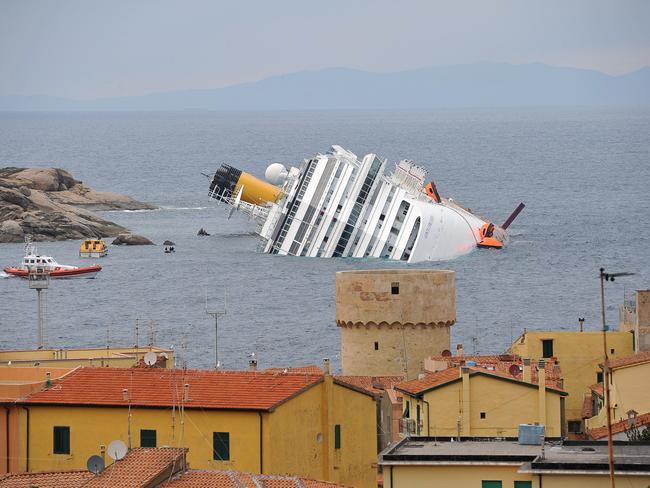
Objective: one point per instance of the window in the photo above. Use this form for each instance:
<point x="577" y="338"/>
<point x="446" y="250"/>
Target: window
<point x="611" y="351"/>
<point x="523" y="484"/>
<point x="547" y="348"/>
<point x="376" y="346"/>
<point x="221" y="446"/>
<point x="599" y="377"/>
<point x="491" y="484"/>
<point x="575" y="426"/>
<point x="147" y="438"/>
<point x="337" y="436"/>
<point x="407" y="410"/>
<point x="61" y="440"/>
<point x="482" y="415"/>
<point x="394" y="287"/>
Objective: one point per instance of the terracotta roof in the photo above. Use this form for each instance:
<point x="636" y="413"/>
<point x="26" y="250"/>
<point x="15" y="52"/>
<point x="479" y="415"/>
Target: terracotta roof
<point x="141" y="467"/>
<point x="237" y="479"/>
<point x="503" y="363"/>
<point x="617" y="428"/>
<point x="641" y="357"/>
<point x="61" y="479"/>
<point x="597" y="388"/>
<point x="232" y="390"/>
<point x="430" y="381"/>
<point x="310" y="368"/>
<point x="587" y="408"/>
<point x="433" y="380"/>
<point x="374" y="385"/>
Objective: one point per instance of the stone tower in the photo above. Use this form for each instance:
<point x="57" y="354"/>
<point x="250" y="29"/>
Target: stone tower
<point x="391" y="320"/>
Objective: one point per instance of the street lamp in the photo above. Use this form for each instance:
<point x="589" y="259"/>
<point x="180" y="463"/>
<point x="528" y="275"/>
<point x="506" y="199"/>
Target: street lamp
<point x="610" y="448"/>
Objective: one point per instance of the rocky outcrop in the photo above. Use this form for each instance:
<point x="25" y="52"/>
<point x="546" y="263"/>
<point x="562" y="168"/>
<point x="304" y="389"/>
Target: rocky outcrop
<point x="131" y="240"/>
<point x="50" y="204"/>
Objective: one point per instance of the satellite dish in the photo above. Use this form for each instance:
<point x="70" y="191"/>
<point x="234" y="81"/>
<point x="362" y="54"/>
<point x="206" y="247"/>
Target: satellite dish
<point x="150" y="358"/>
<point x="95" y="464"/>
<point x="276" y="174"/>
<point x="116" y="450"/>
<point x="514" y="369"/>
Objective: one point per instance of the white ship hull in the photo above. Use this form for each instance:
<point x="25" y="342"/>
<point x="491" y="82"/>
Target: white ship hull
<point x="337" y="205"/>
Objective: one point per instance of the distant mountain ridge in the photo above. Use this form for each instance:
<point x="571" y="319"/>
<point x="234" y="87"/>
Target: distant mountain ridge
<point x="469" y="85"/>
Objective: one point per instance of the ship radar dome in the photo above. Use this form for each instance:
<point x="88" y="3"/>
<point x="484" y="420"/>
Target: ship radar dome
<point x="276" y="174"/>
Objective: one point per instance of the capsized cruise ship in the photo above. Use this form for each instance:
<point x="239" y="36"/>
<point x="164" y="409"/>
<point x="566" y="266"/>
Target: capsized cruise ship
<point x="336" y="205"/>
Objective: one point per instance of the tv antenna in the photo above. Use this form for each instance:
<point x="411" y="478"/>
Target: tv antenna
<point x="216" y="313"/>
<point x="39" y="280"/>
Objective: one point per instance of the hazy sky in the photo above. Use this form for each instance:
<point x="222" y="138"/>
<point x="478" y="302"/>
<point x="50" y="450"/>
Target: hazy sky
<point x="88" y="49"/>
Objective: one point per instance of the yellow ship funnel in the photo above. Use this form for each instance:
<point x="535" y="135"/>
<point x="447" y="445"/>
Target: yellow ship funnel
<point x="228" y="181"/>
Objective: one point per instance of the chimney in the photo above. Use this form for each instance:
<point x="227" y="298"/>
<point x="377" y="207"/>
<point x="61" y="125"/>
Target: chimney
<point x="252" y="365"/>
<point x="459" y="350"/>
<point x="541" y="380"/>
<point x="465" y="428"/>
<point x="125" y="395"/>
<point x="186" y="392"/>
<point x="48" y="380"/>
<point x="527" y="374"/>
<point x="327" y="367"/>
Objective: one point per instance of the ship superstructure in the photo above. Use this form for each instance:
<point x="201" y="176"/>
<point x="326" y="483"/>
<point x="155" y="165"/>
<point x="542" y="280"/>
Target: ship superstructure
<point x="336" y="205"/>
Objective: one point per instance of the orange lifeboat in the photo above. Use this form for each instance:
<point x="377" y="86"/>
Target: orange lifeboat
<point x="488" y="241"/>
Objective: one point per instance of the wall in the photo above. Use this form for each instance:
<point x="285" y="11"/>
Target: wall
<point x="355" y="463"/>
<point x="359" y="357"/>
<point x="470" y="476"/>
<point x="579" y="354"/>
<point x="409" y="326"/>
<point x="506" y="405"/>
<point x="625" y="394"/>
<point x="643" y="320"/>
<point x="459" y="476"/>
<point x="91" y="427"/>
<point x="598" y="481"/>
<point x="71" y="358"/>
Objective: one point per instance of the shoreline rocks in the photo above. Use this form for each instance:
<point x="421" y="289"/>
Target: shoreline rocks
<point x="50" y="204"/>
<point x="129" y="239"/>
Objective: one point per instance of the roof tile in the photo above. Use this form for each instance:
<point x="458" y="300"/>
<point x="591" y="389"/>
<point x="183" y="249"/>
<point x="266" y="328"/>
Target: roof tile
<point x="234" y="390"/>
<point x="617" y="427"/>
<point x="638" y="358"/>
<point x="237" y="479"/>
<point x="67" y="479"/>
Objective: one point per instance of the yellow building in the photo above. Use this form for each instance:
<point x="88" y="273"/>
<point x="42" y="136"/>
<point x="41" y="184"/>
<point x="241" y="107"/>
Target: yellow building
<point x="427" y="462"/>
<point x="118" y="357"/>
<point x="472" y="401"/>
<point x="628" y="390"/>
<point x="579" y="354"/>
<point x="302" y="424"/>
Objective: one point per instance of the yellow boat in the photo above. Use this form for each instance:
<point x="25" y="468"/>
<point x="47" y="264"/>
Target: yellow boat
<point x="93" y="248"/>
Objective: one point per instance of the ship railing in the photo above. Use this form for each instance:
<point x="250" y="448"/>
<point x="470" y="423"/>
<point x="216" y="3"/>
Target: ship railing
<point x="256" y="212"/>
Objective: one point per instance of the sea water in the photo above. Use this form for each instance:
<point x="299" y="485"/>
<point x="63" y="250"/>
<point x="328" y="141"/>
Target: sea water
<point x="584" y="175"/>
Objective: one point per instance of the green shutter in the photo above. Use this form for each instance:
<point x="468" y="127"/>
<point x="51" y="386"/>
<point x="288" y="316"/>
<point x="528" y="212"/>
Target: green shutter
<point x="337" y="436"/>
<point x="523" y="484"/>
<point x="221" y="446"/>
<point x="61" y="440"/>
<point x="491" y="484"/>
<point x="547" y="348"/>
<point x="147" y="438"/>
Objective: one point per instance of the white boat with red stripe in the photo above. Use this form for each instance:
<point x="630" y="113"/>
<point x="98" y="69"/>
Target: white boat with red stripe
<point x="33" y="261"/>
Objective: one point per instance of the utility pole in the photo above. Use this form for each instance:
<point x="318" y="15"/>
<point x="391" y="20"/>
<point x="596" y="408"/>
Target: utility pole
<point x="610" y="444"/>
<point x="216" y="313"/>
<point x="39" y="280"/>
